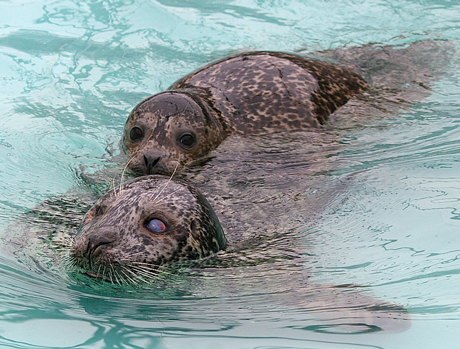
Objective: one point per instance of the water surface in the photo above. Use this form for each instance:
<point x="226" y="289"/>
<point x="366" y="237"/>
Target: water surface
<point x="374" y="204"/>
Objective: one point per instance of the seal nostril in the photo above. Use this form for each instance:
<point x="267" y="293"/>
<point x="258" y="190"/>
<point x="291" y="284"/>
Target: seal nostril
<point x="93" y="248"/>
<point x="149" y="163"/>
<point x="155" y="161"/>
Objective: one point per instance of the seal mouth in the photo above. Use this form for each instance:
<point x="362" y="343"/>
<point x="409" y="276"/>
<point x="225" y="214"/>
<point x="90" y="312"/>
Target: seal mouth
<point x="94" y="276"/>
<point x="88" y="268"/>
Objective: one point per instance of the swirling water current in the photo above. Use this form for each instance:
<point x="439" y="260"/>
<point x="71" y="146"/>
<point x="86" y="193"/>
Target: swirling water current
<point x="374" y="204"/>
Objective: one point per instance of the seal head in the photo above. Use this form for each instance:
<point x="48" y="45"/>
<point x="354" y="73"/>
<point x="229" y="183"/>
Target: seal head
<point x="145" y="223"/>
<point x="168" y="130"/>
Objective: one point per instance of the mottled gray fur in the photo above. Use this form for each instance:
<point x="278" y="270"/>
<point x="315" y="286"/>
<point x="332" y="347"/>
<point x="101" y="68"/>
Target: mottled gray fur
<point x="249" y="93"/>
<point x="114" y="234"/>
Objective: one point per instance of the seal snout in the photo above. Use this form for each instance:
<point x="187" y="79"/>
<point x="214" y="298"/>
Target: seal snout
<point x="150" y="163"/>
<point x="93" y="249"/>
<point x="97" y="244"/>
<point x="153" y="162"/>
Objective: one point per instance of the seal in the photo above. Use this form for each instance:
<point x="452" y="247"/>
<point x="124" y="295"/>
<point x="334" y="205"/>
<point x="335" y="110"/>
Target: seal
<point x="143" y="224"/>
<point x="248" y="93"/>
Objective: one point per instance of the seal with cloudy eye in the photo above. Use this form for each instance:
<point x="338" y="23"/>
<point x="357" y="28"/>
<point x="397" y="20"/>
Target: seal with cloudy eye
<point x="249" y="93"/>
<point x="145" y="223"/>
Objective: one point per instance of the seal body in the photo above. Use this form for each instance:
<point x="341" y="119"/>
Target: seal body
<point x="143" y="224"/>
<point x="249" y="93"/>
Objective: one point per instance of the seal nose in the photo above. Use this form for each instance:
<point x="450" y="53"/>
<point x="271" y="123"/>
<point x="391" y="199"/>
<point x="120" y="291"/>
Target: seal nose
<point x="96" y="244"/>
<point x="150" y="163"/>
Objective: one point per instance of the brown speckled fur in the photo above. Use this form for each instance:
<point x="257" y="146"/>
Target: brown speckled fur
<point x="250" y="93"/>
<point x="113" y="232"/>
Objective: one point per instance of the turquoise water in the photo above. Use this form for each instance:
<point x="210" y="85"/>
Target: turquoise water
<point x="72" y="70"/>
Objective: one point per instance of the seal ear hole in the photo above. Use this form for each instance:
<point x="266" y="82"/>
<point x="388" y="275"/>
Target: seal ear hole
<point x="99" y="211"/>
<point x="206" y="132"/>
<point x="84" y="222"/>
<point x="193" y="227"/>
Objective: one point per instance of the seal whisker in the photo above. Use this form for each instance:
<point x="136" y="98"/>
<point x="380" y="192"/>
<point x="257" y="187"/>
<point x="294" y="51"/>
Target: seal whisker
<point x="129" y="275"/>
<point x="167" y="208"/>
<point x="148" y="265"/>
<point x="143" y="277"/>
<point x="99" y="270"/>
<point x="137" y="276"/>
<point x="145" y="270"/>
<point x="162" y="199"/>
<point x="106" y="275"/>
<point x="167" y="183"/>
<point x="123" y="174"/>
<point x="121" y="277"/>
<point x="112" y="277"/>
<point x="73" y="263"/>
<point x="114" y="273"/>
<point x="150" y="272"/>
<point x="69" y="261"/>
<point x="151" y="268"/>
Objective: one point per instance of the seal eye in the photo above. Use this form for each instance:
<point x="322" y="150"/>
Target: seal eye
<point x="136" y="133"/>
<point x="187" y="140"/>
<point x="155" y="225"/>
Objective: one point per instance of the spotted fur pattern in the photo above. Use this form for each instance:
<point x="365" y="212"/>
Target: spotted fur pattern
<point x="114" y="234"/>
<point x="164" y="118"/>
<point x="250" y="93"/>
<point x="262" y="92"/>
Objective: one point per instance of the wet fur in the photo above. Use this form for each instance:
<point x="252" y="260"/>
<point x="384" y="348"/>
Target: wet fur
<point x="249" y="93"/>
<point x="114" y="244"/>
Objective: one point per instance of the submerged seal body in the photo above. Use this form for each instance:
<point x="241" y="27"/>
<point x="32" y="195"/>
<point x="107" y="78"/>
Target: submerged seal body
<point x="143" y="224"/>
<point x="249" y="93"/>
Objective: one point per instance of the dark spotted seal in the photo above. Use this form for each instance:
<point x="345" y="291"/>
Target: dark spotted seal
<point x="249" y="93"/>
<point x="143" y="224"/>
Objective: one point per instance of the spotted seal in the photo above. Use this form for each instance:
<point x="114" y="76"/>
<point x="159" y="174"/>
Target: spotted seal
<point x="134" y="231"/>
<point x="145" y="223"/>
<point x="248" y="93"/>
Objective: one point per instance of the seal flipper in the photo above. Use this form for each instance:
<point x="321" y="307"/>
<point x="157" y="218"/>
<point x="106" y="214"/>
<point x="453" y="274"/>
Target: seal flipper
<point x="345" y="309"/>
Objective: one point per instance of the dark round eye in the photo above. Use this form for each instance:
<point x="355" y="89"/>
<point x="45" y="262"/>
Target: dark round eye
<point x="136" y="133"/>
<point x="155" y="225"/>
<point x="187" y="140"/>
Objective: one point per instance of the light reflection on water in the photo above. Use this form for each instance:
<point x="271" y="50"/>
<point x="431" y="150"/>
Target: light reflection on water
<point x="374" y="205"/>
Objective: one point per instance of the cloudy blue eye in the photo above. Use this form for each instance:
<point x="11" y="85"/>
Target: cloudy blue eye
<point x="155" y="225"/>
